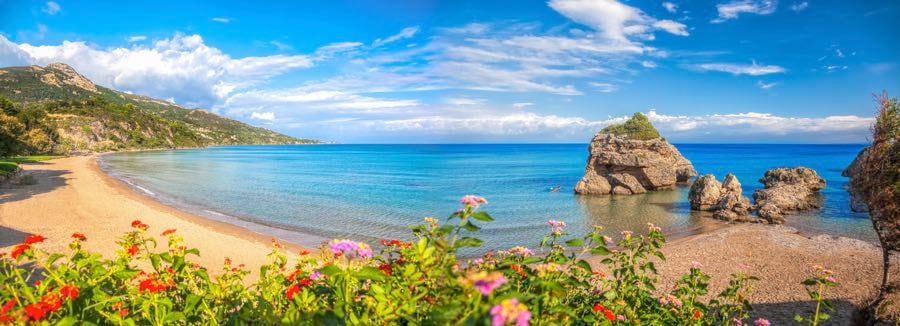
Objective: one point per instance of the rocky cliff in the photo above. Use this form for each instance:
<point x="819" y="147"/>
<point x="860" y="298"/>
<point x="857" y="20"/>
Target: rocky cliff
<point x="619" y="164"/>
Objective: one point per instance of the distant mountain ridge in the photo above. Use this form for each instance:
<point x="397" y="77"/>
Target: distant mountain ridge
<point x="61" y="111"/>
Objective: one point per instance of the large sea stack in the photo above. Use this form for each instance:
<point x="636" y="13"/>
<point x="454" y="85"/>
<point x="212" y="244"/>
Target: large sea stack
<point x="632" y="158"/>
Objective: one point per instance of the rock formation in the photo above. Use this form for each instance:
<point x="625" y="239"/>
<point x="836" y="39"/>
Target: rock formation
<point x="725" y="200"/>
<point x="857" y="199"/>
<point x="631" y="158"/>
<point x="619" y="165"/>
<point x="787" y="190"/>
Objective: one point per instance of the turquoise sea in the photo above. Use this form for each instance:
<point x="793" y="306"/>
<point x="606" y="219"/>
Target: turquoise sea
<point x="309" y="193"/>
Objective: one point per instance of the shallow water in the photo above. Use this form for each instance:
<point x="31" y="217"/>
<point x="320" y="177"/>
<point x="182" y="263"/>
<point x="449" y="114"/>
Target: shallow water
<point x="377" y="191"/>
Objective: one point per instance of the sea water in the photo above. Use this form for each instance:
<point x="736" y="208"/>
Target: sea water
<point x="308" y="193"/>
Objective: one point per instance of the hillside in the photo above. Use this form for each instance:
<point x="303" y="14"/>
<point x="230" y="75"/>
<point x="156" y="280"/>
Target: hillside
<point x="54" y="109"/>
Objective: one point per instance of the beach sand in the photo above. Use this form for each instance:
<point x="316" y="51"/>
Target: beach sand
<point x="74" y="195"/>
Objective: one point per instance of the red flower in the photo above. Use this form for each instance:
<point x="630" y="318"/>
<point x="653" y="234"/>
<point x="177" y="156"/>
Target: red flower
<point x="79" y="236"/>
<point x="123" y="312"/>
<point x="137" y="224"/>
<point x="293" y="275"/>
<point x="51" y="302"/>
<point x="304" y="253"/>
<point x="305" y="282"/>
<point x="168" y="232"/>
<point x="4" y="317"/>
<point x="385" y="268"/>
<point x="609" y="315"/>
<point x="35" y="311"/>
<point x="18" y="250"/>
<point x="598" y="308"/>
<point x="69" y="291"/>
<point x="34" y="238"/>
<point x="291" y="291"/>
<point x="697" y="314"/>
<point x="133" y="250"/>
<point x="153" y="285"/>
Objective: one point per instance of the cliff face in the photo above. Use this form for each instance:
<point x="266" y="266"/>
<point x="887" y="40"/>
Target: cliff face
<point x="619" y="165"/>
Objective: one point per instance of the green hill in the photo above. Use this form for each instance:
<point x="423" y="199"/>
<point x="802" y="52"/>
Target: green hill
<point x="54" y="109"/>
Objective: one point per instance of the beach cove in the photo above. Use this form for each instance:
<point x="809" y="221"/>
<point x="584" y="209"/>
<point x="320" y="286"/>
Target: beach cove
<point x="74" y="195"/>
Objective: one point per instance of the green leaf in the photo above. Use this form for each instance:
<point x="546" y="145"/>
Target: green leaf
<point x="482" y="216"/>
<point x="369" y="273"/>
<point x="469" y="242"/>
<point x="174" y="316"/>
<point x="329" y="270"/>
<point x="69" y="320"/>
<point x="575" y="243"/>
<point x="600" y="250"/>
<point x="154" y="260"/>
<point x="471" y="227"/>
<point x="584" y="265"/>
<point x="610" y="295"/>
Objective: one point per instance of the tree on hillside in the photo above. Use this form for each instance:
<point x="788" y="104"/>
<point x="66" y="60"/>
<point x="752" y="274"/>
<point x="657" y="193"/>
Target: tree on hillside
<point x="10" y="129"/>
<point x="638" y="127"/>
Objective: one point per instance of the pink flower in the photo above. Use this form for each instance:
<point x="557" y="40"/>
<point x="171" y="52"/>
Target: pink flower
<point x="472" y="200"/>
<point x="315" y="275"/>
<point x="557" y="226"/>
<point x="510" y="311"/>
<point x="761" y="322"/>
<point x="626" y="234"/>
<point x="830" y="279"/>
<point x="652" y="227"/>
<point x="696" y="264"/>
<point x="518" y="251"/>
<point x="608" y="240"/>
<point x="350" y="248"/>
<point x="485" y="282"/>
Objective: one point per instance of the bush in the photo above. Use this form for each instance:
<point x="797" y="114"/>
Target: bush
<point x="7" y="168"/>
<point x="417" y="282"/>
<point x="638" y="127"/>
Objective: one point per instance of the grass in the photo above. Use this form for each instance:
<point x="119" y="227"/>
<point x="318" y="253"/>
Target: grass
<point x="28" y="159"/>
<point x="7" y="168"/>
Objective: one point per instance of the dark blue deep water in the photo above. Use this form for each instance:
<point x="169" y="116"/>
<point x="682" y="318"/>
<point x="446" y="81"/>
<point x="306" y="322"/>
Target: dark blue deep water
<point x="377" y="191"/>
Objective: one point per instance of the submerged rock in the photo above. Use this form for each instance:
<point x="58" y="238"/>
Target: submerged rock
<point x="626" y="164"/>
<point x="725" y="200"/>
<point x="788" y="190"/>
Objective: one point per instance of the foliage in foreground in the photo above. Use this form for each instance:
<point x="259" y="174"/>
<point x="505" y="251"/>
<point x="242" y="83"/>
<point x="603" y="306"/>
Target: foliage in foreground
<point x="417" y="282"/>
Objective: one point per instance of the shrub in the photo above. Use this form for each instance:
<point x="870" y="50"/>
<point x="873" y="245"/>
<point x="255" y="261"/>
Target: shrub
<point x="638" y="127"/>
<point x="347" y="282"/>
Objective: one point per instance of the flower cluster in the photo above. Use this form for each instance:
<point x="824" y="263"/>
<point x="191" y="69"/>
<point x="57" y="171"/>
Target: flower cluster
<point x="510" y="311"/>
<point x="608" y="314"/>
<point x="473" y="201"/>
<point x="518" y="251"/>
<point x="557" y="227"/>
<point x="350" y="248"/>
<point x="485" y="282"/>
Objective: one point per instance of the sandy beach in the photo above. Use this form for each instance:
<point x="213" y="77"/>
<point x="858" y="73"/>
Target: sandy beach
<point x="74" y="195"/>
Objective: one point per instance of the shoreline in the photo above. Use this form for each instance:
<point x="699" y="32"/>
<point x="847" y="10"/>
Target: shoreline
<point x="74" y="194"/>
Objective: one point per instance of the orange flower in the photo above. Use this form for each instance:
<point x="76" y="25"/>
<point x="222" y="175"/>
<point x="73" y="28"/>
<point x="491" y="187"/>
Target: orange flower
<point x="79" y="236"/>
<point x="133" y="250"/>
<point x="137" y="224"/>
<point x="153" y="285"/>
<point x="385" y="268"/>
<point x="304" y="253"/>
<point x="123" y="312"/>
<point x="168" y="232"/>
<point x="35" y="311"/>
<point x="34" y="238"/>
<point x="697" y="314"/>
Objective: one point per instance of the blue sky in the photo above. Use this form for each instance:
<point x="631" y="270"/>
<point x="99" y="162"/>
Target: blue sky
<point x="481" y="71"/>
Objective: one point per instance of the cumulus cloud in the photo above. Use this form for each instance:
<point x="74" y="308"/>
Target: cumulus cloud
<point x="801" y="6"/>
<point x="265" y="116"/>
<point x="403" y="34"/>
<point x="52" y="8"/>
<point x="183" y="67"/>
<point x="670" y="7"/>
<point x="752" y="69"/>
<point x="614" y="20"/>
<point x="672" y="26"/>
<point x="733" y="9"/>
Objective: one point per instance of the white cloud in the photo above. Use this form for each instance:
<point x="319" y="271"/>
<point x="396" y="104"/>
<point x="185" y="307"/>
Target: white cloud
<point x="733" y="9"/>
<point x="764" y="85"/>
<point x="529" y="126"/>
<point x="463" y="101"/>
<point x="224" y="20"/>
<point x="604" y="87"/>
<point x="522" y="105"/>
<point x="470" y="28"/>
<point x="672" y="27"/>
<point x="265" y="116"/>
<point x="670" y="7"/>
<point x="182" y="67"/>
<point x="403" y="34"/>
<point x="52" y="8"/>
<point x="617" y="22"/>
<point x="281" y="46"/>
<point x="338" y="47"/>
<point x="800" y="6"/>
<point x="648" y="64"/>
<point x="136" y="38"/>
<point x="753" y="69"/>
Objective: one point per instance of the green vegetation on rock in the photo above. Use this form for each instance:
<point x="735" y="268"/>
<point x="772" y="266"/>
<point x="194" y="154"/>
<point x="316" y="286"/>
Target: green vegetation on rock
<point x="55" y="110"/>
<point x="638" y="127"/>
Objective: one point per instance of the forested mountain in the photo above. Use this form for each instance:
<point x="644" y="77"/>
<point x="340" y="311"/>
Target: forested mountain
<point x="54" y="109"/>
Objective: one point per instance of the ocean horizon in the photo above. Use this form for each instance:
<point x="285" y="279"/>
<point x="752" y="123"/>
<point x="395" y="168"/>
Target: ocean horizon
<point x="307" y="194"/>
